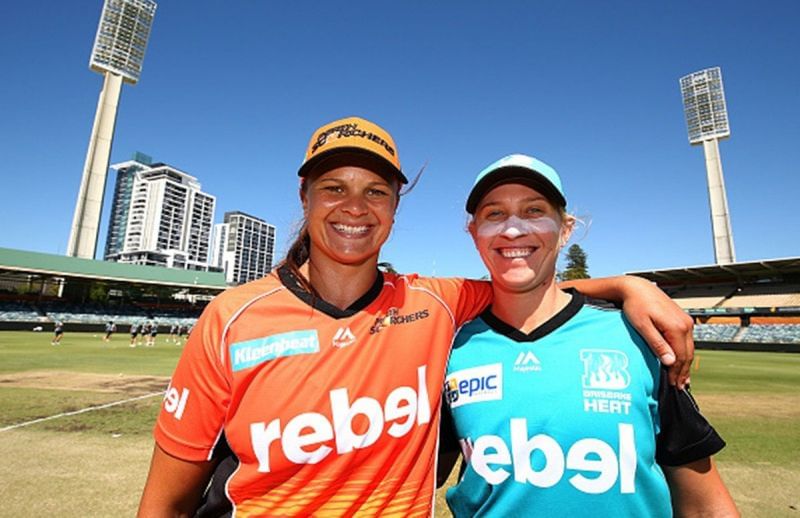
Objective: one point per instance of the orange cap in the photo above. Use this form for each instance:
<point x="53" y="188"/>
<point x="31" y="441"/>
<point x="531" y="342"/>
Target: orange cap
<point x="355" y="135"/>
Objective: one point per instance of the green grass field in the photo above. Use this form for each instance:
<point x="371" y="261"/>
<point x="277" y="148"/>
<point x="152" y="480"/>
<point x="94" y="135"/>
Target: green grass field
<point x="94" y="463"/>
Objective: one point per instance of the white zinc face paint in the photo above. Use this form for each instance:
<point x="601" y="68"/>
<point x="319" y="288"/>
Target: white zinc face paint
<point x="513" y="227"/>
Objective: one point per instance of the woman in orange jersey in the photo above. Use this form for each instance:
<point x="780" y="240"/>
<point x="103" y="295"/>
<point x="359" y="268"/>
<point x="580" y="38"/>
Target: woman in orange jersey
<point x="324" y="377"/>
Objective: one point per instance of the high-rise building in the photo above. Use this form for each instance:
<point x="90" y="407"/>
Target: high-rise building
<point x="244" y="247"/>
<point x="120" y="205"/>
<point x="118" y="54"/>
<point x="166" y="217"/>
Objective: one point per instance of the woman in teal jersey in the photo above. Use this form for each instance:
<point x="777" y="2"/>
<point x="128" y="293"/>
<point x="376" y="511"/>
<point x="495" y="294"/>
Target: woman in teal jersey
<point x="559" y="408"/>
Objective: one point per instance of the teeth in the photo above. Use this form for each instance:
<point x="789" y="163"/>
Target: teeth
<point x="512" y="253"/>
<point x="351" y="230"/>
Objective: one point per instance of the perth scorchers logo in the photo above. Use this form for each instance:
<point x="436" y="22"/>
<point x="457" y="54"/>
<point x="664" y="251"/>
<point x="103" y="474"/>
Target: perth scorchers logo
<point x="393" y="317"/>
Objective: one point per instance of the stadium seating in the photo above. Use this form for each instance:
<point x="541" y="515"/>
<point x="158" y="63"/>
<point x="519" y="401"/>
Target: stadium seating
<point x="20" y="312"/>
<point x="771" y="333"/>
<point x="715" y="332"/>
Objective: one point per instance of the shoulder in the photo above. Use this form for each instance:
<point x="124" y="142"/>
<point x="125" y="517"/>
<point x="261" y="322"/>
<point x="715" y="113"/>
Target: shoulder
<point x="232" y="300"/>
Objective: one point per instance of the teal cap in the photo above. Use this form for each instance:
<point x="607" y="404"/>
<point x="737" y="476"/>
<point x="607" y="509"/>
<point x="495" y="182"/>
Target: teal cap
<point x="522" y="169"/>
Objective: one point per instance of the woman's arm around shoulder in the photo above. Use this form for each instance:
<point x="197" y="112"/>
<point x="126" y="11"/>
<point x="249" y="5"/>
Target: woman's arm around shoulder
<point x="174" y="486"/>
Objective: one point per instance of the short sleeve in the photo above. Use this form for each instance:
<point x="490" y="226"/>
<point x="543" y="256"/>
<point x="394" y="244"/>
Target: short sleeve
<point x="196" y="402"/>
<point x="686" y="436"/>
<point x="473" y="298"/>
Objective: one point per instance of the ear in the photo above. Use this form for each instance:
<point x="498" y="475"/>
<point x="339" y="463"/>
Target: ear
<point x="472" y="229"/>
<point x="304" y="199"/>
<point x="567" y="226"/>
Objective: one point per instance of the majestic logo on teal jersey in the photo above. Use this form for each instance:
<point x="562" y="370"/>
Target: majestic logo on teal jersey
<point x="527" y="362"/>
<point x="253" y="352"/>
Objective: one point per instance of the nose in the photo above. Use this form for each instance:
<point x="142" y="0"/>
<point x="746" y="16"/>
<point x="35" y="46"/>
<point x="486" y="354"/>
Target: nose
<point x="355" y="205"/>
<point x="512" y="228"/>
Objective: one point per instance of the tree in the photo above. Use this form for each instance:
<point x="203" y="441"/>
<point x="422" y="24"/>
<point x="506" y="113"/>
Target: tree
<point x="576" y="264"/>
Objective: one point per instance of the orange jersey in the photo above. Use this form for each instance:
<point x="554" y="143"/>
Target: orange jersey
<point x="330" y="412"/>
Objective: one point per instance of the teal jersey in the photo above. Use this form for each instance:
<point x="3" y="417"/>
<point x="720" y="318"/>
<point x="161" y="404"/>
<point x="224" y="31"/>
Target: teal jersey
<point x="560" y="422"/>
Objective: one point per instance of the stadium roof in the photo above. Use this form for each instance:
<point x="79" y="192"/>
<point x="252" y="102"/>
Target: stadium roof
<point x="36" y="263"/>
<point x="780" y="270"/>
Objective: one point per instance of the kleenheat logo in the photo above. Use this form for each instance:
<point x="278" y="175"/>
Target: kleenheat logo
<point x="259" y="350"/>
<point x="393" y="317"/>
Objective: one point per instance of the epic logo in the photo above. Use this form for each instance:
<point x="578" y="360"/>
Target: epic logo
<point x="473" y="385"/>
<point x="175" y="402"/>
<point x="586" y="455"/>
<point x="303" y="439"/>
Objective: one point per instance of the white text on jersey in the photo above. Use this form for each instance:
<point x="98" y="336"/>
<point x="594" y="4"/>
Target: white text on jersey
<point x="587" y="455"/>
<point x="306" y="438"/>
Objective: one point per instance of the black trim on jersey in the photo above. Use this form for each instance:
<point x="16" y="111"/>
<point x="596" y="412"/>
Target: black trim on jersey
<point x="292" y="284"/>
<point x="215" y="503"/>
<point x="559" y="319"/>
<point x="685" y="434"/>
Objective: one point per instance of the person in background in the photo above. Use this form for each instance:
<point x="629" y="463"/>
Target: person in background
<point x="134" y="333"/>
<point x="323" y="378"/>
<point x="559" y="407"/>
<point x="153" y="333"/>
<point x="58" y="333"/>
<point x="110" y="328"/>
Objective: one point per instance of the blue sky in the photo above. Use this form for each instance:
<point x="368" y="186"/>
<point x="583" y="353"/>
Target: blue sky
<point x="231" y="92"/>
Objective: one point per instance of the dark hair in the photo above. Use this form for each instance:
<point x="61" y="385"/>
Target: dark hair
<point x="297" y="255"/>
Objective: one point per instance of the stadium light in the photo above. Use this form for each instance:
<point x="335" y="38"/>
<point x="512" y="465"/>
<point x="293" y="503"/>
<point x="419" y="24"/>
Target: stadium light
<point x="707" y="123"/>
<point x="118" y="53"/>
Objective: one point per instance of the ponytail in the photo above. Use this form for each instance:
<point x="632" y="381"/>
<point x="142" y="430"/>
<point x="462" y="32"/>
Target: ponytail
<point x="297" y="256"/>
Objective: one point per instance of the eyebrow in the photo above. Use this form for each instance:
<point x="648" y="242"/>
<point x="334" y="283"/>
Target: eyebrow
<point x="524" y="200"/>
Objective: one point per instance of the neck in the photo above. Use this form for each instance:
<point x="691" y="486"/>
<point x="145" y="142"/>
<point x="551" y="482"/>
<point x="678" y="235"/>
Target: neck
<point x="529" y="309"/>
<point x="339" y="284"/>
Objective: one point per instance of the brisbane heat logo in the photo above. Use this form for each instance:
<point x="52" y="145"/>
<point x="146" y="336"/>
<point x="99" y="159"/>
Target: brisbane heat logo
<point x="605" y="369"/>
<point x="605" y="378"/>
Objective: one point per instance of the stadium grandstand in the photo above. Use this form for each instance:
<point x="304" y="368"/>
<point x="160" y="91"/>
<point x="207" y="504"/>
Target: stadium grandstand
<point x="747" y="306"/>
<point x="37" y="290"/>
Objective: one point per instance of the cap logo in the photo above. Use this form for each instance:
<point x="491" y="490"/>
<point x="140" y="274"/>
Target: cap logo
<point x="347" y="131"/>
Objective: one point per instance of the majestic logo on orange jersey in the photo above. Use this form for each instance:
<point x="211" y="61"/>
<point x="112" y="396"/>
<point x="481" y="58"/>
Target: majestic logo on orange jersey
<point x="393" y="317"/>
<point x="343" y="337"/>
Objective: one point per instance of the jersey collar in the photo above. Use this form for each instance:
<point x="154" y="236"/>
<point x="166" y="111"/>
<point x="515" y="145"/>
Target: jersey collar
<point x="559" y="319"/>
<point x="292" y="284"/>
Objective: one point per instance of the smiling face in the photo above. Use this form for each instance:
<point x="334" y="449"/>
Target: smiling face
<point x="519" y="233"/>
<point x="349" y="213"/>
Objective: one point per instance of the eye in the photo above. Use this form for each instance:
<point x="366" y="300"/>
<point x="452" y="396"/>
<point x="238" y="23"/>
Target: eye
<point x="534" y="211"/>
<point x="494" y="214"/>
<point x="333" y="189"/>
<point x="377" y="192"/>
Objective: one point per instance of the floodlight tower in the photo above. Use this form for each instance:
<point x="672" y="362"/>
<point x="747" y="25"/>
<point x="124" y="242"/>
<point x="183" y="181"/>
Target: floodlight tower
<point x="118" y="54"/>
<point x="707" y="121"/>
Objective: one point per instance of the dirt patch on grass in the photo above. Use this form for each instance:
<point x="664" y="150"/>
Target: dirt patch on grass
<point x="61" y="380"/>
<point x="750" y="405"/>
